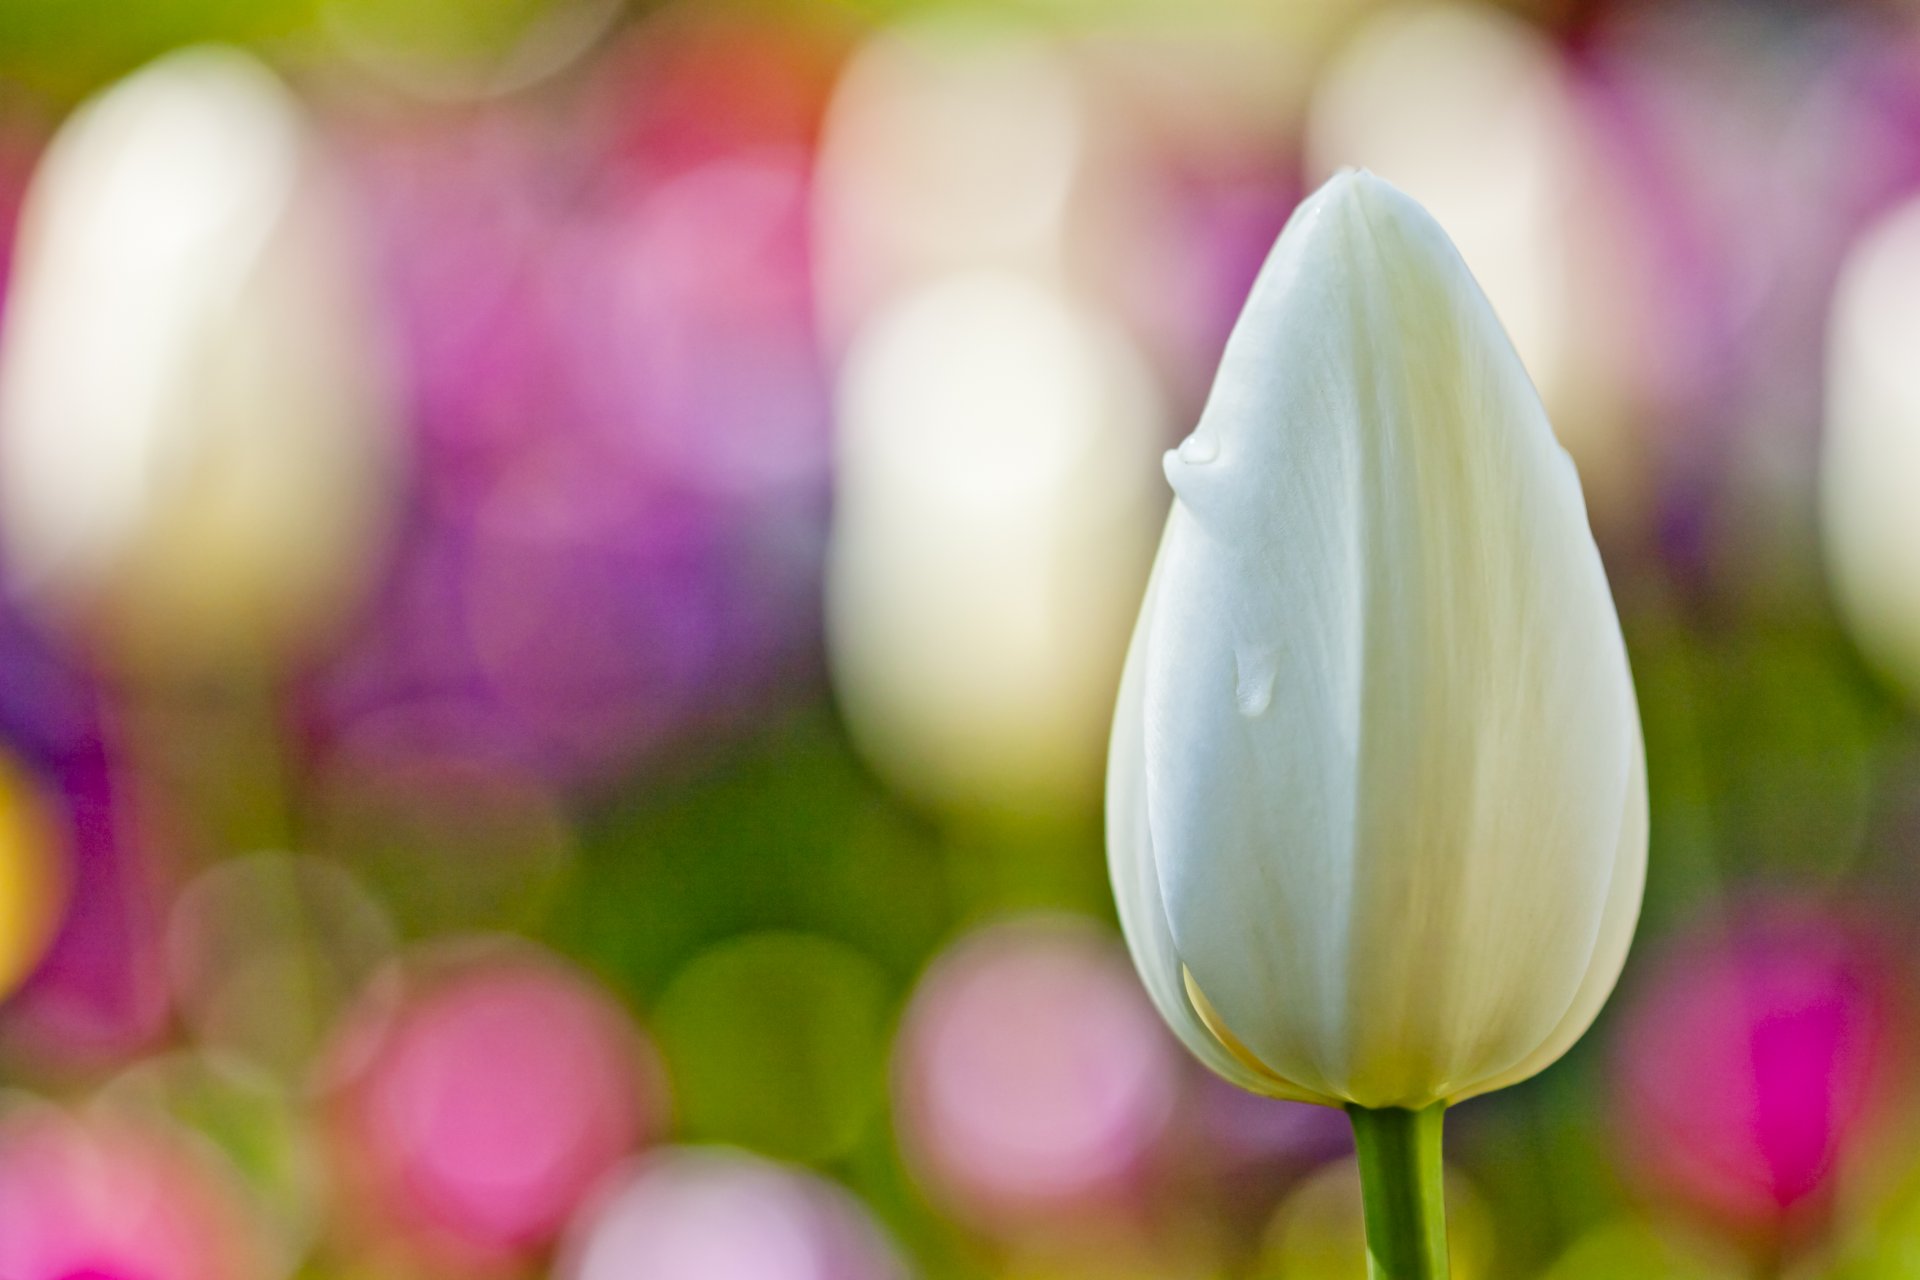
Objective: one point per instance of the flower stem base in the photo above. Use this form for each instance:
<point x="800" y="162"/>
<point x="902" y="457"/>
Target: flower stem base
<point x="1401" y="1184"/>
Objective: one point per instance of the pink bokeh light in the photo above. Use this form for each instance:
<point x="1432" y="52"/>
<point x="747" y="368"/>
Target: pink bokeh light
<point x="115" y="1201"/>
<point x="1033" y="1077"/>
<point x="496" y="1097"/>
<point x="699" y="1214"/>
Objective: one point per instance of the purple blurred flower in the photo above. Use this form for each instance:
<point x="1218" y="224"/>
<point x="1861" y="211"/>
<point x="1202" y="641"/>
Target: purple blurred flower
<point x="622" y="446"/>
<point x="1754" y="1060"/>
<point x="1240" y="1131"/>
<point x="1717" y="120"/>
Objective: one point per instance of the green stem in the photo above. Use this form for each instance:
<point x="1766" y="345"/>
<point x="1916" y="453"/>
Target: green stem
<point x="1401" y="1184"/>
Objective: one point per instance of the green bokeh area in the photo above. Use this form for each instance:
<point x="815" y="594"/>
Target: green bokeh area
<point x="65" y="48"/>
<point x="766" y="911"/>
<point x="778" y="1042"/>
<point x="785" y="832"/>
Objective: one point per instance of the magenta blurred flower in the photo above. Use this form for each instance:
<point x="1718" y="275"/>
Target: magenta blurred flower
<point x="714" y="1214"/>
<point x="99" y="994"/>
<point x="482" y="1101"/>
<point x="1033" y="1078"/>
<point x="103" y="1199"/>
<point x="1753" y="1062"/>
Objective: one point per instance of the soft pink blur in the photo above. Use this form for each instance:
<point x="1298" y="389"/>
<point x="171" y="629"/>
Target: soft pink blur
<point x="1753" y="1061"/>
<point x="499" y="1093"/>
<point x="1033" y="1076"/>
<point x="694" y="1214"/>
<point x="104" y="1200"/>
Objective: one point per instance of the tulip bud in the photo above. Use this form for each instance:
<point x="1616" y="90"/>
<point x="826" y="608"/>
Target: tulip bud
<point x="1478" y="115"/>
<point x="194" y="429"/>
<point x="1376" y="793"/>
<point x="1871" y="455"/>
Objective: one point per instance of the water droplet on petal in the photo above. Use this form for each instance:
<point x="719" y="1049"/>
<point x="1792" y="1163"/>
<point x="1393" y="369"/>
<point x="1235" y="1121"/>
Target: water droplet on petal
<point x="1254" y="671"/>
<point x="1198" y="450"/>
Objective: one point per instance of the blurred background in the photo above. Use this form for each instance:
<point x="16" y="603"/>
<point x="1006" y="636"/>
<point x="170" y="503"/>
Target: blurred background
<point x="567" y="561"/>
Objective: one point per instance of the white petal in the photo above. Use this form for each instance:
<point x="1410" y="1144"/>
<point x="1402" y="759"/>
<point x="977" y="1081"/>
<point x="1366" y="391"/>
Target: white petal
<point x="1136" y="886"/>
<point x="1610" y="948"/>
<point x="1389" y="722"/>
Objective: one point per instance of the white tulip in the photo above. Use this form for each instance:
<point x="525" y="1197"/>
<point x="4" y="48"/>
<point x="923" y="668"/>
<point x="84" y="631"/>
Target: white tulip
<point x="195" y="429"/>
<point x="1376" y="792"/>
<point x="1871" y="466"/>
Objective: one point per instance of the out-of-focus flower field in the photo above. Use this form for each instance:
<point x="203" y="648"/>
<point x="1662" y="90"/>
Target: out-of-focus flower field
<point x="567" y="563"/>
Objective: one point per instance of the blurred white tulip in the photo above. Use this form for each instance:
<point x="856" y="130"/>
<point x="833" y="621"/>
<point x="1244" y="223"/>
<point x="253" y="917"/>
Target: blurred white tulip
<point x="1870" y="477"/>
<point x="196" y="443"/>
<point x="996" y="474"/>
<point x="1376" y="798"/>
<point x="952" y="145"/>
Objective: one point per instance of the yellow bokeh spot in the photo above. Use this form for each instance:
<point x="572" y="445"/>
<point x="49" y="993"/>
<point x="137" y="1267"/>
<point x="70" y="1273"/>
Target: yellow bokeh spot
<point x="33" y="878"/>
<point x="1319" y="1232"/>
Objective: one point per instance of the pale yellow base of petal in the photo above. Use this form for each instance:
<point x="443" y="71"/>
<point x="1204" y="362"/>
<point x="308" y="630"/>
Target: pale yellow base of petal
<point x="1281" y="1087"/>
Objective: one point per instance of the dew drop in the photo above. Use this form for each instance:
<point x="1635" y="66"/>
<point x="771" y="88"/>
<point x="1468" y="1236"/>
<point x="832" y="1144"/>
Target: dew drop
<point x="1197" y="450"/>
<point x="1254" y="671"/>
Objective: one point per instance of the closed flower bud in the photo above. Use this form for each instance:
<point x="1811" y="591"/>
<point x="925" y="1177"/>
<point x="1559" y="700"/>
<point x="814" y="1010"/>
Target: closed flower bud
<point x="1376" y="795"/>
<point x="195" y="436"/>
